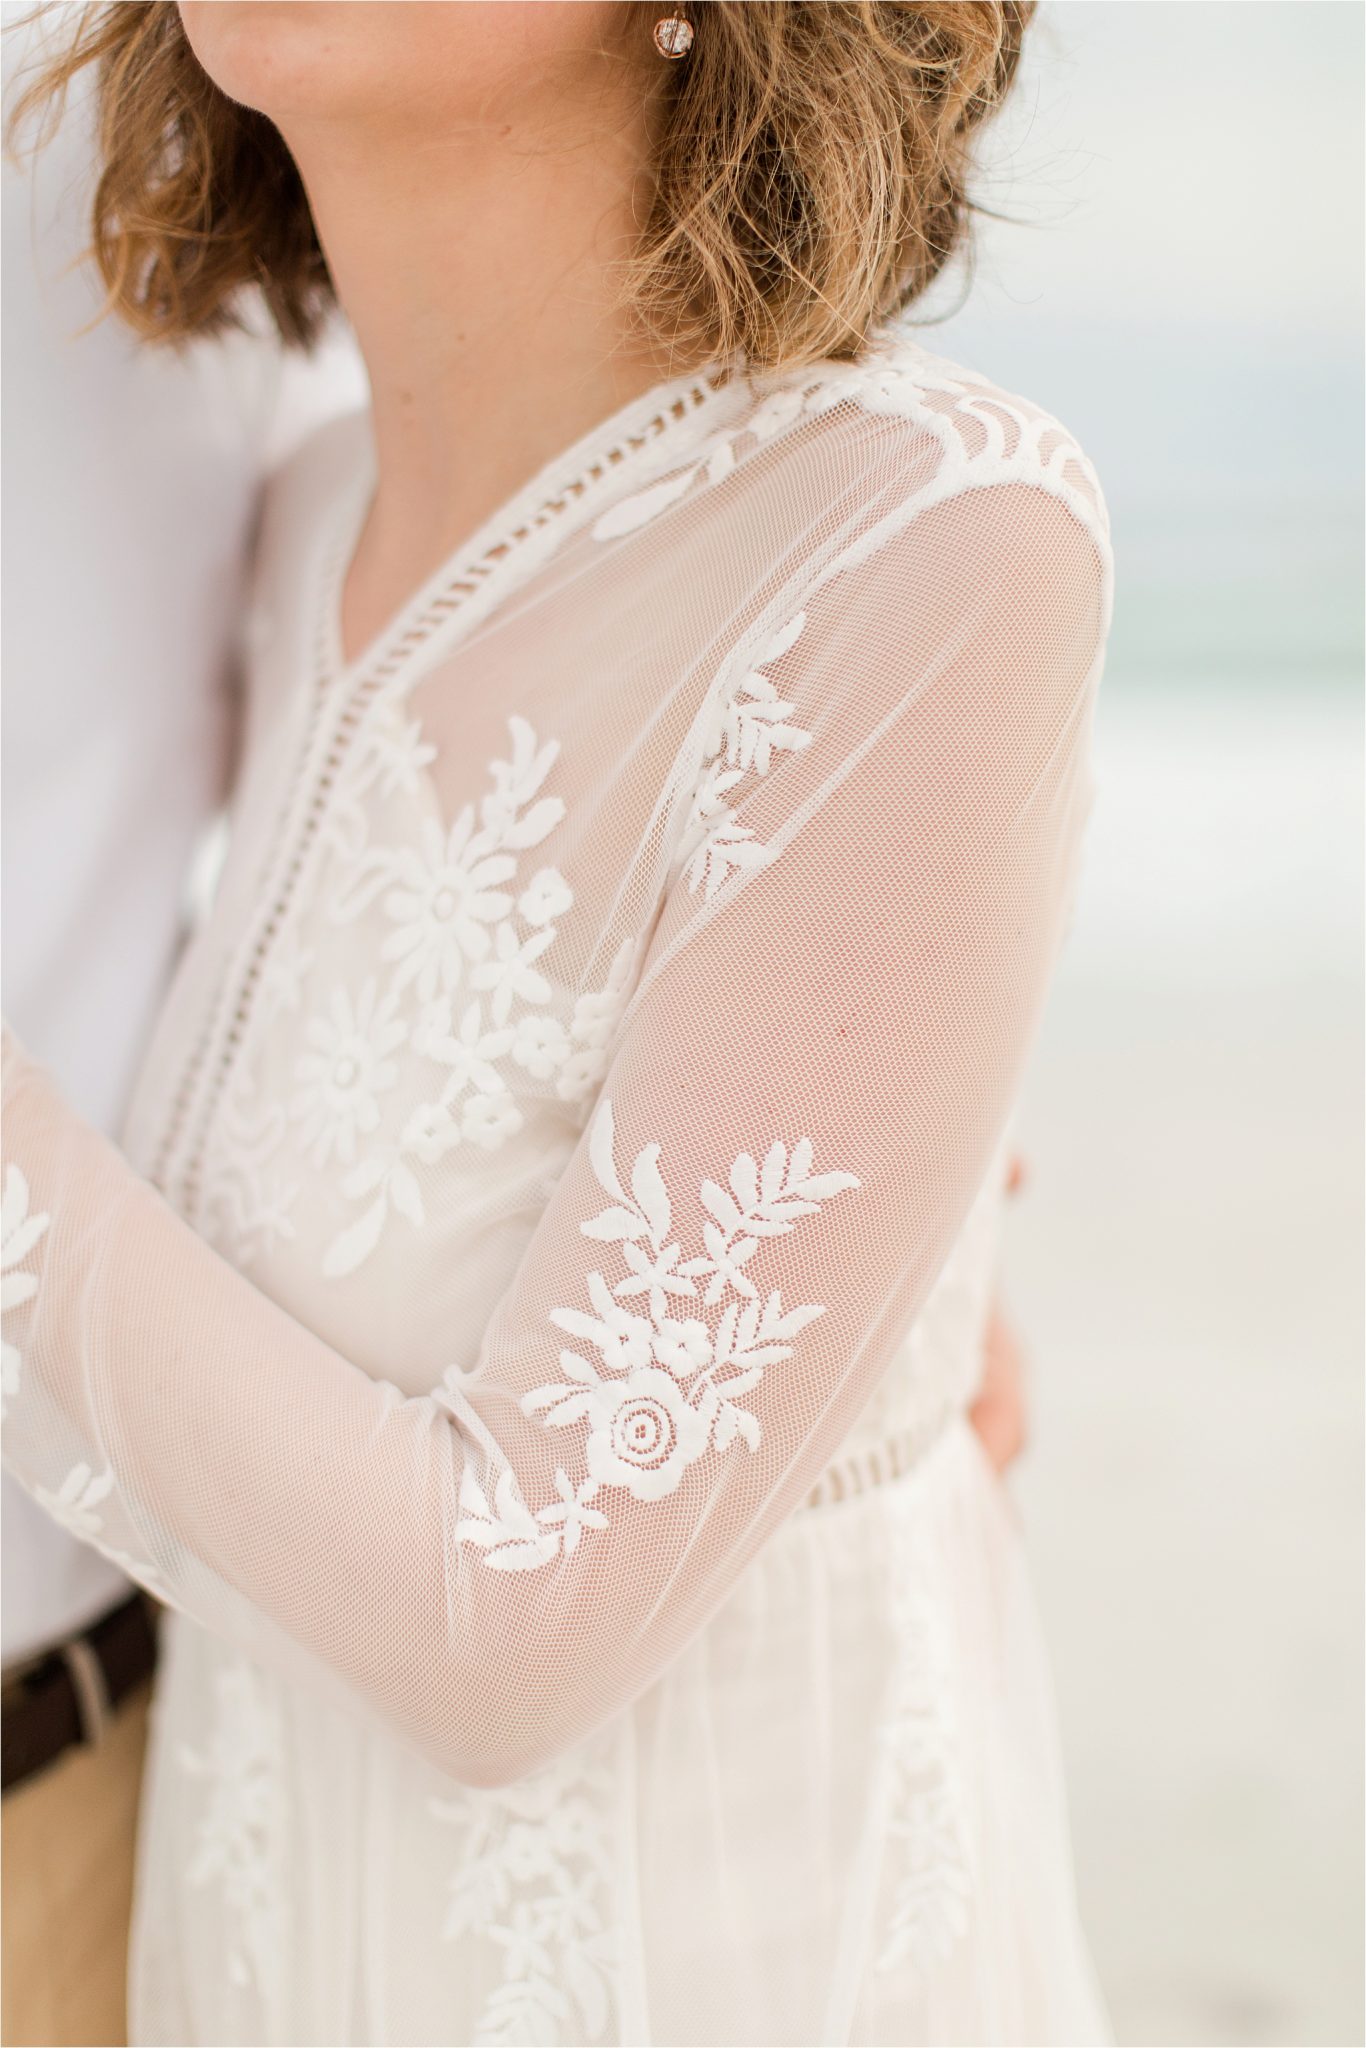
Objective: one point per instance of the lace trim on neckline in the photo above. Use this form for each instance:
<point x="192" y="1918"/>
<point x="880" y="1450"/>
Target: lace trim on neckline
<point x="344" y="695"/>
<point x="578" y="478"/>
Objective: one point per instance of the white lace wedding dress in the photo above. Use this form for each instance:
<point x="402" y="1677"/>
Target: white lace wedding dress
<point x="528" y="1340"/>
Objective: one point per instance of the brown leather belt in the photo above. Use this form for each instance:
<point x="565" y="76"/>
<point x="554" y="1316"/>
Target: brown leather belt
<point x="68" y="1696"/>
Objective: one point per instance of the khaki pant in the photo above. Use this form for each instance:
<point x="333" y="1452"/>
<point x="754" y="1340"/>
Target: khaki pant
<point x="67" y="1840"/>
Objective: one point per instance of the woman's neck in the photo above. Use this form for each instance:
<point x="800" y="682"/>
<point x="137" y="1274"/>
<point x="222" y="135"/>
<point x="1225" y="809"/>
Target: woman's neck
<point x="481" y="276"/>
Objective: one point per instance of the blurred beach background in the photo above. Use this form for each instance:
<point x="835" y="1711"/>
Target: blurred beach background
<point x="1181" y="280"/>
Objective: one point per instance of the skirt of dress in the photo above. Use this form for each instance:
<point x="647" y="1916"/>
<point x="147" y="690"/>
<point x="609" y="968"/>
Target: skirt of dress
<point x="838" y="1818"/>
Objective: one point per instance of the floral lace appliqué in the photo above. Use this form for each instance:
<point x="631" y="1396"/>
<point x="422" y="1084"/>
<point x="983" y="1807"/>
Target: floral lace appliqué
<point x="345" y="1072"/>
<point x="929" y="1849"/>
<point x="750" y="723"/>
<point x="597" y="1014"/>
<point x="463" y="989"/>
<point x="714" y="464"/>
<point x="677" y="1342"/>
<point x="249" y="1202"/>
<point x="239" y="1838"/>
<point x="77" y="1502"/>
<point x="19" y="1233"/>
<point x="535" y="1880"/>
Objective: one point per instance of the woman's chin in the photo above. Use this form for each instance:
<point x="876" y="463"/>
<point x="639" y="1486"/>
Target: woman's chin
<point x="345" y="60"/>
<point x="284" y="57"/>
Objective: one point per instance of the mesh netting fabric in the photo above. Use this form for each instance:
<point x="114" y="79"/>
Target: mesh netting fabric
<point x="585" y="1082"/>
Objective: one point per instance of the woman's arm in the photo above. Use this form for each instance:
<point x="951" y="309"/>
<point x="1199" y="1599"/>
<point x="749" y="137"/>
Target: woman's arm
<point x="808" y="1088"/>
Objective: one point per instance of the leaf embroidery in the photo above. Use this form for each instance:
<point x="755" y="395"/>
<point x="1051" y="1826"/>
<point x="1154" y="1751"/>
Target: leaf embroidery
<point x="239" y="1839"/>
<point x="535" y="1877"/>
<point x="751" y="722"/>
<point x="654" y="1378"/>
<point x="777" y="412"/>
<point x="930" y="1862"/>
<point x="511" y="1537"/>
<point x="77" y="1502"/>
<point x="20" y="1231"/>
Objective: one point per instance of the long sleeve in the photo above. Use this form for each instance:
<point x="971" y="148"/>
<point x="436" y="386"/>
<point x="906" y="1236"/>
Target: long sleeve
<point x="804" y="1092"/>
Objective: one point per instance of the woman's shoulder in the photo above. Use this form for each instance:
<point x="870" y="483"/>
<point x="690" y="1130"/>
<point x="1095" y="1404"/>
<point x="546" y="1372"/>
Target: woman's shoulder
<point x="813" y="455"/>
<point x="942" y="427"/>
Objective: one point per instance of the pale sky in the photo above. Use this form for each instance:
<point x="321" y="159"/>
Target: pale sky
<point x="1188" y="161"/>
<point x="1186" y="292"/>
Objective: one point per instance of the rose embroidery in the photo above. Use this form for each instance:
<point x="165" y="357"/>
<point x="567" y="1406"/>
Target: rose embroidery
<point x="676" y="1342"/>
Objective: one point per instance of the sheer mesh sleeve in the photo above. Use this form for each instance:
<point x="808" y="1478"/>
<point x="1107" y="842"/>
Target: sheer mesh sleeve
<point x="804" y="1094"/>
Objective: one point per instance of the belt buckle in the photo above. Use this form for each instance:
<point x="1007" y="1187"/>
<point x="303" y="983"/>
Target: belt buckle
<point x="94" y="1707"/>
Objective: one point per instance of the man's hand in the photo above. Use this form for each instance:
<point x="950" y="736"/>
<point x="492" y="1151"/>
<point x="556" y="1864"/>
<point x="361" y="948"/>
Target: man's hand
<point x="998" y="1414"/>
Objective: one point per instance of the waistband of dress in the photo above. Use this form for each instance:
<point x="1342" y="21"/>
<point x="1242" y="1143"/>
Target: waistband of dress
<point x="881" y="1463"/>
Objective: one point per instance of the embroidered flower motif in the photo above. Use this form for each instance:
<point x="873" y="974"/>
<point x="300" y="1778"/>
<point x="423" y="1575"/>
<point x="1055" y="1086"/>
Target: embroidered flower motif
<point x="443" y="893"/>
<point x="338" y="1083"/>
<point x="665" y="1388"/>
<point x="596" y="1016"/>
<point x="398" y="754"/>
<point x="19" y="1233"/>
<point x="77" y="1501"/>
<point x="238" y="1842"/>
<point x="453" y="927"/>
<point x="490" y="1120"/>
<point x="725" y="843"/>
<point x="510" y="974"/>
<point x="758" y="1202"/>
<point x="444" y="903"/>
<point x="684" y="1347"/>
<point x="468" y="1056"/>
<point x="751" y="722"/>
<point x="653" y="1272"/>
<point x="644" y="1431"/>
<point x="572" y="1510"/>
<point x="430" y="1133"/>
<point x="535" y="1880"/>
<point x="540" y="1045"/>
<point x="546" y="895"/>
<point x="630" y="514"/>
<point x="756" y="724"/>
<point x="512" y="1538"/>
<point x="623" y="1340"/>
<point x="930" y="1854"/>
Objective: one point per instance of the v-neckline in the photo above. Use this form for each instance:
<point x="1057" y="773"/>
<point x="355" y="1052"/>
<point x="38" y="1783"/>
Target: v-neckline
<point x="662" y="422"/>
<point x="644" y="437"/>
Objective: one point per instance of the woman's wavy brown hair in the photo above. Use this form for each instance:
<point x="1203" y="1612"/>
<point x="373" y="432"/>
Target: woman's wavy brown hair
<point x="810" y="173"/>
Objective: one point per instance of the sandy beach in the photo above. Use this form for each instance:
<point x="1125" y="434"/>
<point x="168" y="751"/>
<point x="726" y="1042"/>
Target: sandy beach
<point x="1187" y="1269"/>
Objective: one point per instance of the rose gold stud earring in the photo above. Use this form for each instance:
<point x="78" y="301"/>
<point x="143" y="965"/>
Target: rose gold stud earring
<point x="673" y="36"/>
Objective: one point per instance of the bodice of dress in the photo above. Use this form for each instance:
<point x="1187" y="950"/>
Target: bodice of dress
<point x="589" y="1087"/>
<point x="418" y="998"/>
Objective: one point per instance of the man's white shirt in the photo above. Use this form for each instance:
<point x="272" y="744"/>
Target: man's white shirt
<point x="130" y="481"/>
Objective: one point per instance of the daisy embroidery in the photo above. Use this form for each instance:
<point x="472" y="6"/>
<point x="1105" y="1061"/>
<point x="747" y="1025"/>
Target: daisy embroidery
<point x="339" y="1081"/>
<point x="442" y="903"/>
